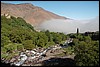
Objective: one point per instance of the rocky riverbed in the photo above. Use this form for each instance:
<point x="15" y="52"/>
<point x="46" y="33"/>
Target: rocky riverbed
<point x="38" y="56"/>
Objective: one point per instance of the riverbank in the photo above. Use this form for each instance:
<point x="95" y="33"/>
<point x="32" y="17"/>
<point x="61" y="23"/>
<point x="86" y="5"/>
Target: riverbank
<point x="39" y="55"/>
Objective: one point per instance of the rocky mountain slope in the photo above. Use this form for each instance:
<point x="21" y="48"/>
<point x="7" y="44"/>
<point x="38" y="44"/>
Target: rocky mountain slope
<point x="30" y="13"/>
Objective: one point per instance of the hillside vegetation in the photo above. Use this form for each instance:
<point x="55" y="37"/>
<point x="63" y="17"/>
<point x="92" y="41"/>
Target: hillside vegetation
<point x="17" y="35"/>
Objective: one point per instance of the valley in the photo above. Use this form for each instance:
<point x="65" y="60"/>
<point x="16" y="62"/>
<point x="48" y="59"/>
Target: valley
<point x="34" y="36"/>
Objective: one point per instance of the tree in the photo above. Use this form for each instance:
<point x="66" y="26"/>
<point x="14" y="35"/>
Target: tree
<point x="42" y="39"/>
<point x="15" y="38"/>
<point x="28" y="44"/>
<point x="20" y="47"/>
<point x="49" y="35"/>
<point x="80" y="37"/>
<point x="87" y="39"/>
<point x="3" y="50"/>
<point x="57" y="38"/>
<point x="4" y="40"/>
<point x="10" y="47"/>
<point x="49" y="44"/>
<point x="87" y="54"/>
<point x="73" y="36"/>
<point x="75" y="41"/>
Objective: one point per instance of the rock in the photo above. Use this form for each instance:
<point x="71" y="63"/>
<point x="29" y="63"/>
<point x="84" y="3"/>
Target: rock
<point x="12" y="60"/>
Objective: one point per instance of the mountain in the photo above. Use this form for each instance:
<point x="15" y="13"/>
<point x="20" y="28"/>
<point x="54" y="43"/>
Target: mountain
<point x="31" y="14"/>
<point x="42" y="19"/>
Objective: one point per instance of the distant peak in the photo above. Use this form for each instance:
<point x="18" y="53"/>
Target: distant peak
<point x="18" y="4"/>
<point x="5" y="3"/>
<point x="26" y="4"/>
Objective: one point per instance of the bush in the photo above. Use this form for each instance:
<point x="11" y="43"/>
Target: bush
<point x="3" y="50"/>
<point x="87" y="54"/>
<point x="20" y="47"/>
<point x="4" y="41"/>
<point x="49" y="44"/>
<point x="10" y="47"/>
<point x="28" y="44"/>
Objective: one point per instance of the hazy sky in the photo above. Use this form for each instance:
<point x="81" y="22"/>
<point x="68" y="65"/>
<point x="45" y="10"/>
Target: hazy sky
<point x="79" y="10"/>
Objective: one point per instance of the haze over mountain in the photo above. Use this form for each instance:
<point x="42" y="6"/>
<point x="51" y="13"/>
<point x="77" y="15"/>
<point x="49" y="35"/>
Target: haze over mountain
<point x="92" y="25"/>
<point x="45" y="20"/>
<point x="69" y="26"/>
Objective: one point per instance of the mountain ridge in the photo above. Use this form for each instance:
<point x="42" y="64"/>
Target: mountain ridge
<point x="30" y="13"/>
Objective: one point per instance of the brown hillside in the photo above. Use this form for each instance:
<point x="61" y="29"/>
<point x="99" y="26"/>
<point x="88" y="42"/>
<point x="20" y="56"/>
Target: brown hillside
<point x="32" y="14"/>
